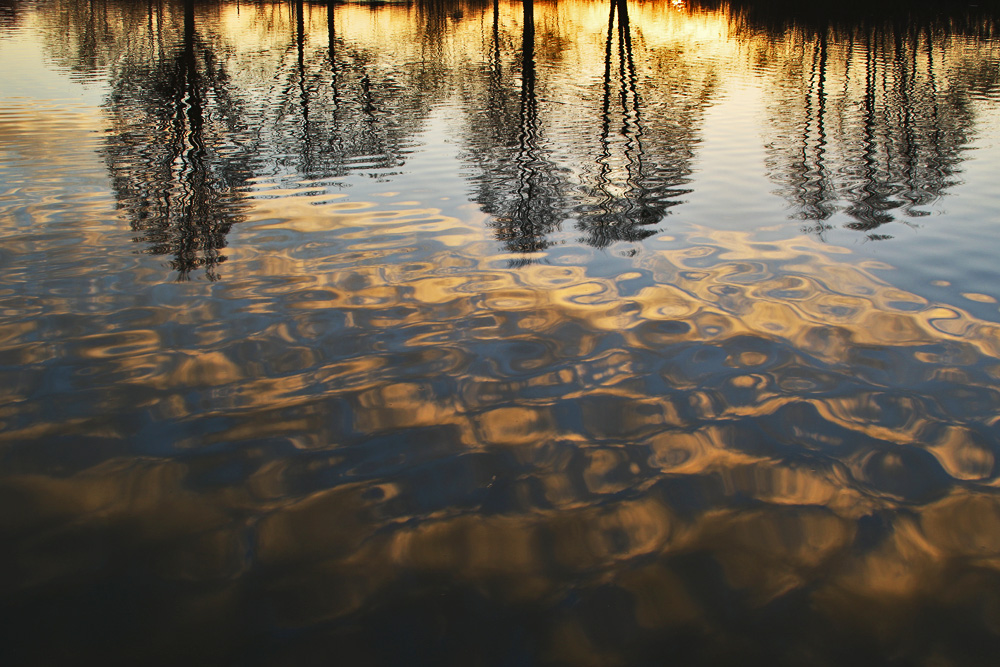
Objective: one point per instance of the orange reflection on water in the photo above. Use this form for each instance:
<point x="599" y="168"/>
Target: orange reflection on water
<point x="543" y="404"/>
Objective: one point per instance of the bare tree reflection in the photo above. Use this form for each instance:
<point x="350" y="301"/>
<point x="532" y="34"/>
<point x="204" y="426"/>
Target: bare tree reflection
<point x="871" y="123"/>
<point x="94" y="37"/>
<point x="515" y="178"/>
<point x="344" y="108"/>
<point x="179" y="154"/>
<point x="615" y="168"/>
<point x="624" y="210"/>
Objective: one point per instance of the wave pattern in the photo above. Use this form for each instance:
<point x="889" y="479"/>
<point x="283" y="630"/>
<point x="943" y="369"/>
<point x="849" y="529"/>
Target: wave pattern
<point x="514" y="423"/>
<point x="357" y="434"/>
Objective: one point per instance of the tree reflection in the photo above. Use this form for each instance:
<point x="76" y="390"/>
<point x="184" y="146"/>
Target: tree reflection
<point x="869" y="120"/>
<point x="343" y="108"/>
<point x="180" y="155"/>
<point x="9" y="14"/>
<point x="871" y="123"/>
<point x="625" y="209"/>
<point x="191" y="122"/>
<point x="611" y="165"/>
<point x="515" y="179"/>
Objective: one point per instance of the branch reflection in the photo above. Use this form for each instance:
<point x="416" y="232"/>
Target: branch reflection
<point x="871" y="123"/>
<point x="628" y="205"/>
<point x="601" y="162"/>
<point x="180" y="153"/>
<point x="341" y="109"/>
<point x="515" y="178"/>
<point x="868" y="121"/>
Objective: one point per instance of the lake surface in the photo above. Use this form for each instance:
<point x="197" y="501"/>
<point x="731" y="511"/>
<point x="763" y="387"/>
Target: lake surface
<point x="490" y="333"/>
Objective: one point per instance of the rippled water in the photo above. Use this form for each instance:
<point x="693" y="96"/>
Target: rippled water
<point x="458" y="333"/>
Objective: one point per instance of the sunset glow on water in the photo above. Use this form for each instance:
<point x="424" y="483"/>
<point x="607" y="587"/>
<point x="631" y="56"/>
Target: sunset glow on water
<point x="563" y="333"/>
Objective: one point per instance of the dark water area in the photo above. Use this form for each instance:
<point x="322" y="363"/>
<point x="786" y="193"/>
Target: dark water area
<point x="499" y="333"/>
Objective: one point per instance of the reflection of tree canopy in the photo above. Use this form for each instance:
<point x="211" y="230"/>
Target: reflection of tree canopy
<point x="89" y="37"/>
<point x="615" y="164"/>
<point x="646" y="145"/>
<point x="515" y="179"/>
<point x="9" y="14"/>
<point x="870" y="121"/>
<point x="179" y="154"/>
<point x="775" y="16"/>
<point x="187" y="136"/>
<point x="339" y="107"/>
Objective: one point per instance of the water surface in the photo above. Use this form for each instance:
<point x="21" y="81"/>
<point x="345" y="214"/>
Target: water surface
<point x="442" y="333"/>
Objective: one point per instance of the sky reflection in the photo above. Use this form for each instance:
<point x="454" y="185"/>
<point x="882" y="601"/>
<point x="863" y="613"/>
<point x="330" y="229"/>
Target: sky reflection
<point x="868" y="123"/>
<point x="498" y="334"/>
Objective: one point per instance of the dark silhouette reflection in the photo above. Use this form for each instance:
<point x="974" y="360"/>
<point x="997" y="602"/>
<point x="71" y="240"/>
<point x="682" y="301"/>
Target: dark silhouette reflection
<point x="871" y="122"/>
<point x="962" y="17"/>
<point x="516" y="179"/>
<point x="190" y="129"/>
<point x="613" y="164"/>
<point x="380" y="448"/>
<point x="650" y="124"/>
<point x="344" y="107"/>
<point x="624" y="210"/>
<point x="9" y="14"/>
<point x="180" y="154"/>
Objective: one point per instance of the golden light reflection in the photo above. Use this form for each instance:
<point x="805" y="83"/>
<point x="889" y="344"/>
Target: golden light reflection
<point x="379" y="397"/>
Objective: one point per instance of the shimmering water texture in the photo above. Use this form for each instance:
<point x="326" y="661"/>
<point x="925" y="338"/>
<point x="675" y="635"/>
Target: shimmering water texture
<point x="462" y="333"/>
